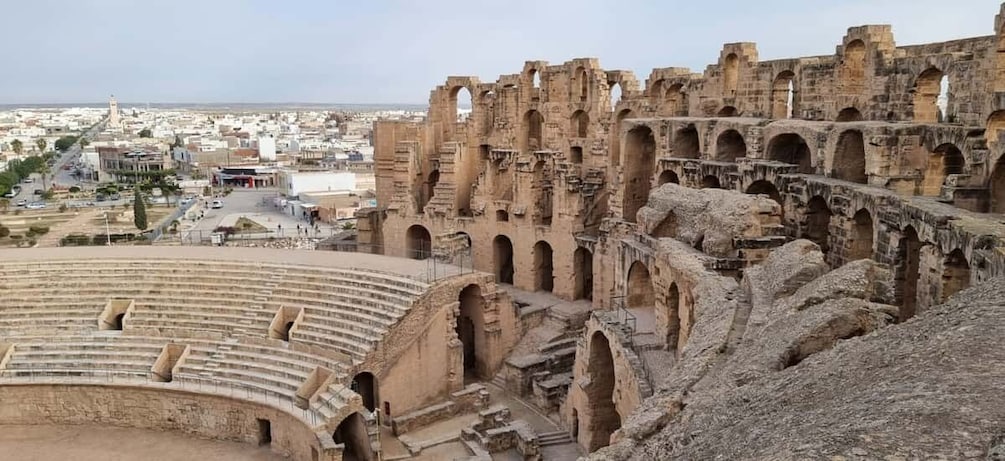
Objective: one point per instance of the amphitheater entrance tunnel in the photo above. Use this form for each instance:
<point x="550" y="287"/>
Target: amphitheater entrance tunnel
<point x="544" y="269"/>
<point x="351" y="433"/>
<point x="502" y="249"/>
<point x="365" y="384"/>
<point x="470" y="331"/>
<point x="419" y="244"/>
<point x="583" y="265"/>
<point x="604" y="417"/>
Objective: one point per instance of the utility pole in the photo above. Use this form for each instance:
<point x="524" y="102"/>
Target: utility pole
<point x="108" y="234"/>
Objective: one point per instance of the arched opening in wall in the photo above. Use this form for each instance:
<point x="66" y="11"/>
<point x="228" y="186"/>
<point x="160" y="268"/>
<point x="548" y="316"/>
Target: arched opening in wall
<point x="502" y="252"/>
<point x="996" y="125"/>
<point x="710" y="182"/>
<point x="640" y="156"/>
<point x="419" y="244"/>
<point x="604" y="418"/>
<point x="575" y="424"/>
<point x="640" y="287"/>
<point x="730" y="75"/>
<point x="943" y="101"/>
<point x="668" y="176"/>
<point x="580" y="124"/>
<point x="470" y="329"/>
<point x="460" y="100"/>
<point x="542" y="188"/>
<point x="763" y="187"/>
<point x="783" y="95"/>
<point x="728" y="111"/>
<point x="502" y="216"/>
<point x="428" y="189"/>
<point x="351" y="433"/>
<point x="615" y="94"/>
<point x="673" y="318"/>
<point x="667" y="228"/>
<point x="927" y="88"/>
<point x="853" y="67"/>
<point x="544" y="276"/>
<point x="118" y="321"/>
<point x="533" y="131"/>
<point x="583" y="265"/>
<point x="792" y="149"/>
<point x="365" y="384"/>
<point x="943" y="161"/>
<point x="818" y="223"/>
<point x="535" y="78"/>
<point x="676" y="101"/>
<point x="615" y="144"/>
<point x="955" y="274"/>
<point x="685" y="143"/>
<point x="861" y="236"/>
<point x="576" y="155"/>
<point x="996" y="187"/>
<point x="584" y="84"/>
<point x="730" y="146"/>
<point x="849" y="158"/>
<point x="910" y="254"/>
<point x="849" y="114"/>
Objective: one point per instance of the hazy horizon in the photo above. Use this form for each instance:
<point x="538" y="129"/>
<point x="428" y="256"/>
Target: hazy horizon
<point x="395" y="51"/>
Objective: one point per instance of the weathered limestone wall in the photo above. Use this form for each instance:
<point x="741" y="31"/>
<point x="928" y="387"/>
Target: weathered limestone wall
<point x="162" y="410"/>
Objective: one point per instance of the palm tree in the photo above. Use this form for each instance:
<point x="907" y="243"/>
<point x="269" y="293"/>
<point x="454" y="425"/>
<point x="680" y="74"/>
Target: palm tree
<point x="46" y="173"/>
<point x="18" y="146"/>
<point x="41" y="144"/>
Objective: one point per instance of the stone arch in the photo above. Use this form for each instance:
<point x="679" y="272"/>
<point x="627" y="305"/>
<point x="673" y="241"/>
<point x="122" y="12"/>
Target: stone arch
<point x="853" y="67"/>
<point x="783" y="95"/>
<point x="955" y="274"/>
<point x="534" y="77"/>
<point x="730" y="75"/>
<point x="604" y="417"/>
<point x="579" y="124"/>
<point x="502" y="252"/>
<point x="542" y="189"/>
<point x="615" y="144"/>
<point x="710" y="182"/>
<point x="365" y="384"/>
<point x="673" y="319"/>
<point x="668" y="176"/>
<point x="730" y="146"/>
<point x="616" y="95"/>
<point x="583" y="265"/>
<point x="861" y="238"/>
<point x="686" y="143"/>
<point x="460" y="97"/>
<point x="792" y="149"/>
<point x="583" y="89"/>
<point x="675" y="101"/>
<point x="667" y="228"/>
<point x="945" y="160"/>
<point x="764" y="187"/>
<point x="640" y="156"/>
<point x="418" y="242"/>
<point x="849" y="157"/>
<point x="533" y="131"/>
<point x="470" y="329"/>
<point x="351" y="433"/>
<point x="639" y="287"/>
<point x="995" y="126"/>
<point x="544" y="267"/>
<point x="817" y="225"/>
<point x="727" y="111"/>
<point x="849" y="114"/>
<point x="909" y="251"/>
<point x="927" y="88"/>
<point x="502" y="216"/>
<point x="996" y="187"/>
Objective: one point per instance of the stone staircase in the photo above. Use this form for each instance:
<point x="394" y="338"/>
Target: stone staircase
<point x="546" y="439"/>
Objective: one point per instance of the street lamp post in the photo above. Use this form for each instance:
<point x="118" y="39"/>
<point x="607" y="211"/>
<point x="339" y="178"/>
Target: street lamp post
<point x="108" y="234"/>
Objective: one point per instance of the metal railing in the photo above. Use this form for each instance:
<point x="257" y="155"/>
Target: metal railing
<point x="624" y="316"/>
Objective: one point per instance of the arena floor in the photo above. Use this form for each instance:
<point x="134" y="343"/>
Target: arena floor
<point x="92" y="443"/>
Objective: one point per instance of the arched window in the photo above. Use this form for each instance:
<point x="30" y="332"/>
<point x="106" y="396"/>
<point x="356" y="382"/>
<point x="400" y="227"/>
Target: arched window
<point x="730" y="75"/>
<point x="783" y="95"/>
<point x="927" y="89"/>
<point x="849" y="158"/>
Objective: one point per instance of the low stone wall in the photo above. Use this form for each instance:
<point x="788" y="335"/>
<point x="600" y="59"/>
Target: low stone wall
<point x="162" y="410"/>
<point x="473" y="398"/>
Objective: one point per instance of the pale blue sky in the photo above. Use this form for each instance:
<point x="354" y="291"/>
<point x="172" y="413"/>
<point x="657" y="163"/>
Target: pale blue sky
<point x="395" y="51"/>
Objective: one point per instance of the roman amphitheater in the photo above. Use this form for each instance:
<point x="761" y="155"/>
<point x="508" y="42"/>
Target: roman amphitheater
<point x="791" y="259"/>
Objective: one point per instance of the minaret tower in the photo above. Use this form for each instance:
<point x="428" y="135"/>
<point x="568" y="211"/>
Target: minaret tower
<point x="113" y="112"/>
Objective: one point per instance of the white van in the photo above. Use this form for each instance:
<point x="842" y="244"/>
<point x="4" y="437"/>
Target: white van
<point x="216" y="204"/>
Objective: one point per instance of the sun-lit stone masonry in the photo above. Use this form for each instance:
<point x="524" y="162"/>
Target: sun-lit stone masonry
<point x="592" y="185"/>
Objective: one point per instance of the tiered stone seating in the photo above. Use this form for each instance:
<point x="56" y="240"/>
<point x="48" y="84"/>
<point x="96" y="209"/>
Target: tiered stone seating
<point x="75" y="356"/>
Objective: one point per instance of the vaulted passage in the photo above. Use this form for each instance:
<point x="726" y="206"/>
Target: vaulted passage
<point x="365" y="384"/>
<point x="849" y="157"/>
<point x="997" y="187"/>
<point x="792" y="149"/>
<point x="640" y="155"/>
<point x="673" y="318"/>
<point x="668" y="176"/>
<point x="640" y="287"/>
<point x="955" y="274"/>
<point x="419" y="244"/>
<point x="910" y="257"/>
<point x="860" y="246"/>
<point x="685" y="143"/>
<point x="762" y="187"/>
<point x="710" y="182"/>
<point x="943" y="161"/>
<point x="583" y="265"/>
<point x="849" y="114"/>
<point x="730" y="146"/>
<point x="351" y="433"/>
<point x="502" y="250"/>
<point x="816" y="227"/>
<point x="470" y="329"/>
<point x="544" y="277"/>
<point x="604" y="417"/>
<point x="533" y="131"/>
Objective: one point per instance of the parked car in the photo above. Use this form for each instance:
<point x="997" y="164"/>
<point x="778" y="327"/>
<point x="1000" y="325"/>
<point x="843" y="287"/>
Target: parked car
<point x="21" y="202"/>
<point x="216" y="204"/>
<point x="39" y="191"/>
<point x="29" y="180"/>
<point x="35" y="205"/>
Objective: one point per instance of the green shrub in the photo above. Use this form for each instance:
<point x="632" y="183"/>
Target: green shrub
<point x="4" y="231"/>
<point x="16" y="237"/>
<point x="76" y="240"/>
<point x="74" y="189"/>
<point x="38" y="230"/>
<point x="62" y="208"/>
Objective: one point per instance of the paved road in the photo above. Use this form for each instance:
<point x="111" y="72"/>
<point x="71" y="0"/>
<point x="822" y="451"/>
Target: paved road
<point x="249" y="202"/>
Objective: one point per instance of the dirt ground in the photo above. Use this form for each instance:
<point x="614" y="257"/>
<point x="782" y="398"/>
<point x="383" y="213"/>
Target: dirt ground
<point x="92" y="443"/>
